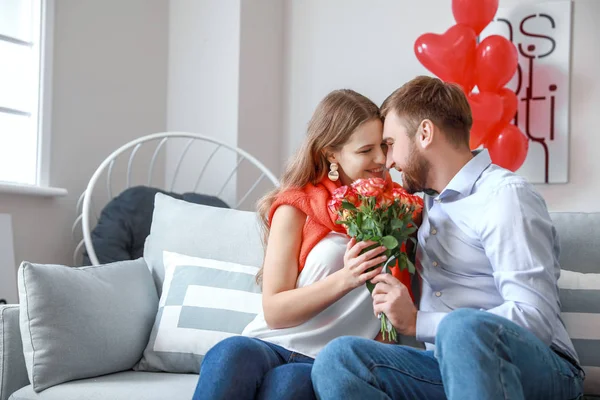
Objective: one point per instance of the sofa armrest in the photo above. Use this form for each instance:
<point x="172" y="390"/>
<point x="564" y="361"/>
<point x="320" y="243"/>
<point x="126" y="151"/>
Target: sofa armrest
<point x="13" y="374"/>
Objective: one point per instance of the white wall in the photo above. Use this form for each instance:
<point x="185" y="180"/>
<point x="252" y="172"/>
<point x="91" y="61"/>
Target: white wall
<point x="109" y="86"/>
<point x="225" y="73"/>
<point x="203" y="78"/>
<point x="368" y="47"/>
<point x="239" y="72"/>
<point x="260" y="90"/>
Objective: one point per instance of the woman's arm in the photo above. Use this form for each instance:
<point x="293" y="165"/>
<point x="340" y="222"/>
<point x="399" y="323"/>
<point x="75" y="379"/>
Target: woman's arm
<point x="285" y="305"/>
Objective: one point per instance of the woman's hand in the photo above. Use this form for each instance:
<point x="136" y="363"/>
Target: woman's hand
<point x="355" y="264"/>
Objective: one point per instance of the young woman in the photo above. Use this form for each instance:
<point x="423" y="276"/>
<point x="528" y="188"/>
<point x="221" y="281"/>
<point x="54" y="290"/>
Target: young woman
<point x="313" y="277"/>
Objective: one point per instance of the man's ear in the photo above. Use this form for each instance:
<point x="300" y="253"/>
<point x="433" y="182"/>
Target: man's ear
<point x="425" y="133"/>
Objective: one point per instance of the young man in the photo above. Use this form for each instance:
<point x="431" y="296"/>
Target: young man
<point x="488" y="258"/>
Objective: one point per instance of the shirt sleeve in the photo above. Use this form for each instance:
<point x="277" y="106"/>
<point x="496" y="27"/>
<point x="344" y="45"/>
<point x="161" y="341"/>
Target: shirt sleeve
<point x="521" y="243"/>
<point x="427" y="325"/>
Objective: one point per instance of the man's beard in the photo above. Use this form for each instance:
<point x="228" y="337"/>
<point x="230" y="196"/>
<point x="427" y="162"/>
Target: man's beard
<point x="414" y="175"/>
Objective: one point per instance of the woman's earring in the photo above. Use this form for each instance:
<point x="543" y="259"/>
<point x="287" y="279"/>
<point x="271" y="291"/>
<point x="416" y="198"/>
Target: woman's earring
<point x="333" y="175"/>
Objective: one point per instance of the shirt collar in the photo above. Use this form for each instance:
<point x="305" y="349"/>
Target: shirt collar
<point x="465" y="179"/>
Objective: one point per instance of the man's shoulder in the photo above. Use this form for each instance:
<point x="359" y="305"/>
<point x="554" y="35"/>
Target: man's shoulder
<point x="495" y="179"/>
<point x="499" y="188"/>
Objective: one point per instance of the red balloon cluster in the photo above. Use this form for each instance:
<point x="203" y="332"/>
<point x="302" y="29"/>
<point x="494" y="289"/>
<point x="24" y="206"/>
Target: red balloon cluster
<point x="455" y="56"/>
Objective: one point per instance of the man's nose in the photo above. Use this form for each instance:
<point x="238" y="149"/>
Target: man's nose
<point x="390" y="162"/>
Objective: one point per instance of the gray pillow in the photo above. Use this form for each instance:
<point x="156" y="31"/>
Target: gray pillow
<point x="201" y="231"/>
<point x="580" y="311"/>
<point x="84" y="322"/>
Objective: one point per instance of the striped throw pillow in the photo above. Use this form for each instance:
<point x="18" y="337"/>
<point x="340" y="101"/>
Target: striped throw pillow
<point x="580" y="310"/>
<point x="203" y="301"/>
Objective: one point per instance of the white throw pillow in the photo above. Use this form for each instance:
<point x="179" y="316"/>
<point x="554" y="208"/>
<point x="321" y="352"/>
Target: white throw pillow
<point x="201" y="231"/>
<point x="580" y="311"/>
<point x="203" y="302"/>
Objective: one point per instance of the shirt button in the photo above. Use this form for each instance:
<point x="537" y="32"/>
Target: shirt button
<point x="438" y="294"/>
<point x="433" y="231"/>
<point x="437" y="200"/>
<point x="435" y="263"/>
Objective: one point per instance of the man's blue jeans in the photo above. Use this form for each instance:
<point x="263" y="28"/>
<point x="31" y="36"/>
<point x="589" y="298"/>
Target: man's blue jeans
<point x="246" y="368"/>
<point x="478" y="356"/>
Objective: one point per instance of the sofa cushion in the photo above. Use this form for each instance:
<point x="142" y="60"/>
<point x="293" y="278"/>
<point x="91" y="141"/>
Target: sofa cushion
<point x="125" y="223"/>
<point x="203" y="302"/>
<point x="84" y="322"/>
<point x="580" y="310"/>
<point x="578" y="234"/>
<point x="201" y="231"/>
<point x="126" y="385"/>
<point x="13" y="374"/>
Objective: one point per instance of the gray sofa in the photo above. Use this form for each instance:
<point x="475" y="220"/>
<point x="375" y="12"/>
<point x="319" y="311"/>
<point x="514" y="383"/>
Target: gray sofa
<point x="580" y="244"/>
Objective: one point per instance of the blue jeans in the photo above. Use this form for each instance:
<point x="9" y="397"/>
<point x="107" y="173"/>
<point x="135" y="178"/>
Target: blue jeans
<point x="247" y="368"/>
<point x="478" y="356"/>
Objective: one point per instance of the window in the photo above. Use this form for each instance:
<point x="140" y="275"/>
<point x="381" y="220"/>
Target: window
<point x="25" y="41"/>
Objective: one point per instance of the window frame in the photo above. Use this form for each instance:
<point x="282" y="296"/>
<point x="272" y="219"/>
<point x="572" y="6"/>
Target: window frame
<point x="44" y="112"/>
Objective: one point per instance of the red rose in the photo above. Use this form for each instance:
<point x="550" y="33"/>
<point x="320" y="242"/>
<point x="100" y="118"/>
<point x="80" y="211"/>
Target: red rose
<point x="399" y="193"/>
<point x="372" y="187"/>
<point x="334" y="205"/>
<point x="385" y="200"/>
<point x="346" y="193"/>
<point x="418" y="202"/>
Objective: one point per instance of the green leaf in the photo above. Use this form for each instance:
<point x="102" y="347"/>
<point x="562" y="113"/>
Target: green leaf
<point x="352" y="231"/>
<point x="410" y="231"/>
<point x="348" y="206"/>
<point x="370" y="286"/>
<point x="367" y="224"/>
<point x="411" y="266"/>
<point x="389" y="242"/>
<point x="397" y="224"/>
<point x="402" y="262"/>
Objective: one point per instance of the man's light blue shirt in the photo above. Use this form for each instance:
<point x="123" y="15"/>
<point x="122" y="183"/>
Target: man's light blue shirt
<point x="487" y="242"/>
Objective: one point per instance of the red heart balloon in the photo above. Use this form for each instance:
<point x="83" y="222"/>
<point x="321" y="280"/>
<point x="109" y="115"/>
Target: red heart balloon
<point x="510" y="103"/>
<point x="474" y="13"/>
<point x="486" y="108"/>
<point x="495" y="64"/>
<point x="509" y="148"/>
<point x="509" y="109"/>
<point x="450" y="56"/>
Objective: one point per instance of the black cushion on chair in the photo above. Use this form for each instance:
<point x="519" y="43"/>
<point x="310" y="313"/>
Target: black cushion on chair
<point x="125" y="223"/>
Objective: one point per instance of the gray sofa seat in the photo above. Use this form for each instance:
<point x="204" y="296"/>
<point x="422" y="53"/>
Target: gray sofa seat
<point x="120" y="386"/>
<point x="13" y="374"/>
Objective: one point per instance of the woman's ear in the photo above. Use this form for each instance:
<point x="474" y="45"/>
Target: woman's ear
<point x="330" y="156"/>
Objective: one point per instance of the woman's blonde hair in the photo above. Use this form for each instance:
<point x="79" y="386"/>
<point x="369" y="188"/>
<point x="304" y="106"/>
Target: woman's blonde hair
<point x="334" y="121"/>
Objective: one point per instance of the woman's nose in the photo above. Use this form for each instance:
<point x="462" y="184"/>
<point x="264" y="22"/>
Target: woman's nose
<point x="380" y="157"/>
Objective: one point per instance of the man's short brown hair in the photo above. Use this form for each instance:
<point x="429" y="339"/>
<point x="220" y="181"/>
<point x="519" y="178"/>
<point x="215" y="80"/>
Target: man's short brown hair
<point x="424" y="97"/>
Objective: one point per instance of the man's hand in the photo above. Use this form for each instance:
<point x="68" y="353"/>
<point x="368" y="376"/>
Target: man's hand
<point x="391" y="297"/>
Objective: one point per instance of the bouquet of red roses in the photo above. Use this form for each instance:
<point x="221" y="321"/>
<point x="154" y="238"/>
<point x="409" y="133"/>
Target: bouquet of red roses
<point x="383" y="212"/>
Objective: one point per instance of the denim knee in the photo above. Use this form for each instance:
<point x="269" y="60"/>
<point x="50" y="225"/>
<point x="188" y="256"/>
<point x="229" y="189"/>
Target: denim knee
<point x="335" y="353"/>
<point x="464" y="324"/>
<point x="230" y="349"/>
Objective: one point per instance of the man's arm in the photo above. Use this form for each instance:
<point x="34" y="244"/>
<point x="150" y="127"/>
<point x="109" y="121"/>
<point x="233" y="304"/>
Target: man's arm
<point x="518" y="237"/>
<point x="427" y="324"/>
<point x="520" y="241"/>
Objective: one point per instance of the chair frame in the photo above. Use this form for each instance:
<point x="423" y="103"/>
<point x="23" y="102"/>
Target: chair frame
<point x="85" y="203"/>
